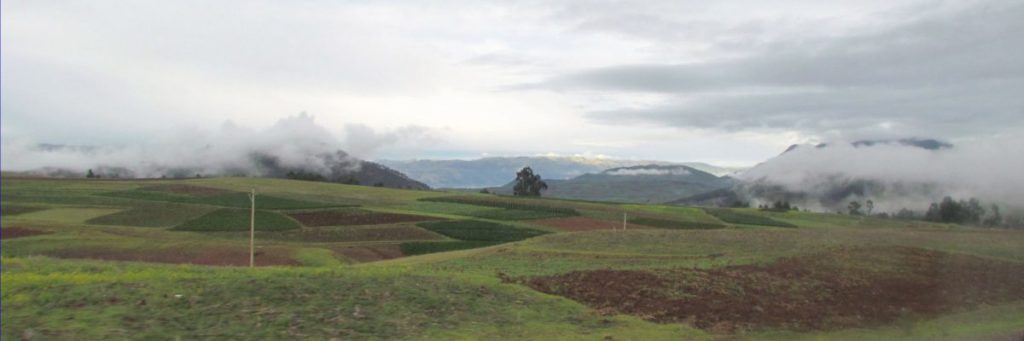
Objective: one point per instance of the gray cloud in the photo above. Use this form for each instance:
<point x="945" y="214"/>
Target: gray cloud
<point x="363" y="141"/>
<point x="954" y="72"/>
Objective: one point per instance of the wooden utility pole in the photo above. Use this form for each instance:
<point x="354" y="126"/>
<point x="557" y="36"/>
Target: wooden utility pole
<point x="252" y="228"/>
<point x="624" y="217"/>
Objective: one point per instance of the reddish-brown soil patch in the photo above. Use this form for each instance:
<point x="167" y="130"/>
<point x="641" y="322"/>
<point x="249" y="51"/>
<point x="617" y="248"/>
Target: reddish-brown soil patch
<point x="572" y="224"/>
<point x="355" y="217"/>
<point x="370" y="253"/>
<point x="16" y="232"/>
<point x="198" y="191"/>
<point x="213" y="256"/>
<point x="838" y="289"/>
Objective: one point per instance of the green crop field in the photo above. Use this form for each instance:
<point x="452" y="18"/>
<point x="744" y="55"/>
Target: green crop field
<point x="512" y="203"/>
<point x="238" y="219"/>
<point x="166" y="259"/>
<point x="153" y="215"/>
<point x="515" y="214"/>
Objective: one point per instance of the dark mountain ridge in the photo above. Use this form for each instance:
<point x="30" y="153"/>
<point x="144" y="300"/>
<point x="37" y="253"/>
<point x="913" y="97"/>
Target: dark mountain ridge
<point x="636" y="184"/>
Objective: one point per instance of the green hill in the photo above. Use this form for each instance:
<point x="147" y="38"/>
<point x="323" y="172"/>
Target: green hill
<point x="634" y="184"/>
<point x="165" y="259"/>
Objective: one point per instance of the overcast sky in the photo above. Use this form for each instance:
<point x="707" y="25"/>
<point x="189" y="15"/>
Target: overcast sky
<point x="727" y="82"/>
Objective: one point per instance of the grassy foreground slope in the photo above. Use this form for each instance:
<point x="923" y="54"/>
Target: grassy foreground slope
<point x="324" y="277"/>
<point x="51" y="299"/>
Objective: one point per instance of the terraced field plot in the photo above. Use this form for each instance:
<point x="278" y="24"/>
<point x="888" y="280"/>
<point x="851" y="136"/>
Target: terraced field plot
<point x="515" y="214"/>
<point x="420" y="248"/>
<point x="674" y="224"/>
<point x="191" y="190"/>
<point x="153" y="215"/>
<point x="229" y="219"/>
<point x="19" y="209"/>
<point x="342" y="217"/>
<point x="8" y="232"/>
<point x="353" y="234"/>
<point x="220" y="256"/>
<point x="470" y="234"/>
<point x="734" y="217"/>
<point x="574" y="224"/>
<point x="68" y="215"/>
<point x="441" y="207"/>
<point x="509" y="203"/>
<point x="475" y="230"/>
<point x="216" y="198"/>
<point x="369" y="253"/>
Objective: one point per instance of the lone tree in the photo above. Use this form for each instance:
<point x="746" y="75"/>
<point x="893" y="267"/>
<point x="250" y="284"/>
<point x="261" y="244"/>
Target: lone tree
<point x="854" y="208"/>
<point x="90" y="174"/>
<point x="528" y="184"/>
<point x="870" y="205"/>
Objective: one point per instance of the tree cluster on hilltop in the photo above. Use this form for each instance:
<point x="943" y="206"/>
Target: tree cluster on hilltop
<point x="948" y="210"/>
<point x="778" y="206"/>
<point x="528" y="183"/>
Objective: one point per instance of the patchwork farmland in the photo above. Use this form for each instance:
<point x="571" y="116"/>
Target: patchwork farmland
<point x="166" y="259"/>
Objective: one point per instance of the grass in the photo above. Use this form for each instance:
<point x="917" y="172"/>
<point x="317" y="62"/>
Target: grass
<point x="238" y="220"/>
<point x="674" y="224"/>
<point x="475" y="230"/>
<point x="317" y="257"/>
<point x="733" y="217"/>
<point x="95" y="300"/>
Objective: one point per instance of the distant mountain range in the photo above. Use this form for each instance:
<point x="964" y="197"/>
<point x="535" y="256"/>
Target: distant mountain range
<point x="498" y="171"/>
<point x="636" y="184"/>
<point x="817" y="179"/>
<point x="929" y="144"/>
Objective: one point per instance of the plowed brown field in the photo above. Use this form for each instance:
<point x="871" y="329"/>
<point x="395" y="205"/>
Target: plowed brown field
<point x="837" y="289"/>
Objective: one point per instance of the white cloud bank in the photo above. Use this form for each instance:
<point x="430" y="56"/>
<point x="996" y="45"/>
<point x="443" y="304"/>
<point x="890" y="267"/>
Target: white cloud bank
<point x="991" y="169"/>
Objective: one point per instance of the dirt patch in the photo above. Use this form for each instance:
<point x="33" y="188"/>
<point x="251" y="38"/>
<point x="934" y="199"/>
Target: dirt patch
<point x="213" y="256"/>
<point x="17" y="232"/>
<point x="370" y="253"/>
<point x="355" y="217"/>
<point x="197" y="191"/>
<point x="838" y="289"/>
<point x="573" y="224"/>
